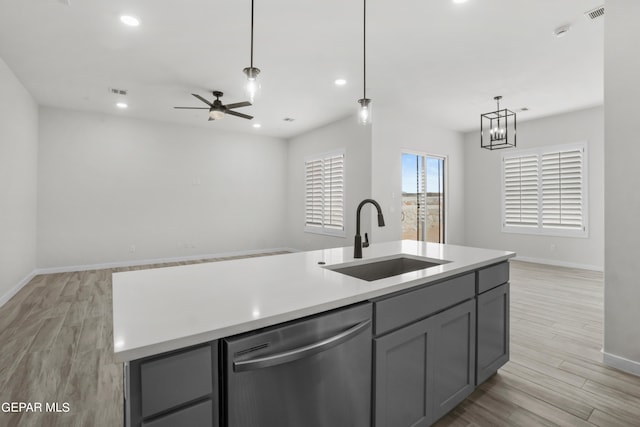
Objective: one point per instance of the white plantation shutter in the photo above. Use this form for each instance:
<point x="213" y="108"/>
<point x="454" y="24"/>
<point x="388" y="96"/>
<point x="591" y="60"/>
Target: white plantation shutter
<point x="324" y="200"/>
<point x="562" y="189"/>
<point x="333" y="212"/>
<point x="521" y="191"/>
<point x="314" y="192"/>
<point x="544" y="191"/>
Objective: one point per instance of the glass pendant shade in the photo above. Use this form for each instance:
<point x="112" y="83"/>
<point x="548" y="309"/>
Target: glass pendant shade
<point x="498" y="128"/>
<point x="252" y="85"/>
<point x="364" y="111"/>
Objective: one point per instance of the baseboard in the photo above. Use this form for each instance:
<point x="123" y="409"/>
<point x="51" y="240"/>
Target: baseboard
<point x="559" y="263"/>
<point x="626" y="365"/>
<point x="118" y="264"/>
<point x="11" y="292"/>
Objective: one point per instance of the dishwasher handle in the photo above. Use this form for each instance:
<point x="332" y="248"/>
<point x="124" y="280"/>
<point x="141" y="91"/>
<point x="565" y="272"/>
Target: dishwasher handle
<point x="300" y="352"/>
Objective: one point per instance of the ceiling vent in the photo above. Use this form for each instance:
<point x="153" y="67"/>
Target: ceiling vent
<point x="594" y="14"/>
<point x="117" y="91"/>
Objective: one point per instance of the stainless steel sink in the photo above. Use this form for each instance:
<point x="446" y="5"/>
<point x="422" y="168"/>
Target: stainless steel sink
<point x="382" y="269"/>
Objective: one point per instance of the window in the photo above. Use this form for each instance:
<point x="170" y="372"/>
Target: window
<point x="324" y="194"/>
<point x="544" y="191"/>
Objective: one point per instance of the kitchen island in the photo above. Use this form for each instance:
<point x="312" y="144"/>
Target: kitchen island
<point x="169" y="322"/>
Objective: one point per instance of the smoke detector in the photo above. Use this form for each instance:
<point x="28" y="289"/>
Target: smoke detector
<point x="562" y="30"/>
<point x="594" y="13"/>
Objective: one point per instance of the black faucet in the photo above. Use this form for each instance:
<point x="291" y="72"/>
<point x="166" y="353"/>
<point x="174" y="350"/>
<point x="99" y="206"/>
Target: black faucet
<point x="357" y="245"/>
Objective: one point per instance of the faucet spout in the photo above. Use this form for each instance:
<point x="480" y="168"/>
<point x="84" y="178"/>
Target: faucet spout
<point x="357" y="246"/>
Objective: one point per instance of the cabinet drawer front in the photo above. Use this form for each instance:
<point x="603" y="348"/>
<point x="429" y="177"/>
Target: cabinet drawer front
<point x="176" y="379"/>
<point x="490" y="277"/>
<point x="403" y="309"/>
<point x="200" y="415"/>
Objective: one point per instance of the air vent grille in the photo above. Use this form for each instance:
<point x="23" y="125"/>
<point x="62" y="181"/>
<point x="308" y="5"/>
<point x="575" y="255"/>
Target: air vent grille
<point x="117" y="91"/>
<point x="596" y="13"/>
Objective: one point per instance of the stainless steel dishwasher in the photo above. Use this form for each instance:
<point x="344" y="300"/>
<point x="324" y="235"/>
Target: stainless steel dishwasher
<point x="314" y="372"/>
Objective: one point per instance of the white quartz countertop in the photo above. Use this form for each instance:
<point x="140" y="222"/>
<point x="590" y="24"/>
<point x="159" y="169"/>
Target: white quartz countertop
<point x="165" y="309"/>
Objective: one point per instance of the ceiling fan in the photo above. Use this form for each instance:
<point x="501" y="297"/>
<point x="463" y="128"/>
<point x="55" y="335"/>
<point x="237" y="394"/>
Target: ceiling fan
<point x="217" y="110"/>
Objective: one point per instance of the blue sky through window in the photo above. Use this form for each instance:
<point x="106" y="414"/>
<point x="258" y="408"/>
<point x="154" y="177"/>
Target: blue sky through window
<point x="410" y="172"/>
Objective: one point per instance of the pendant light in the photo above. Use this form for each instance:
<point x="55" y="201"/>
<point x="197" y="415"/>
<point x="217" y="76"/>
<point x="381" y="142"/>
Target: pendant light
<point x="498" y="128"/>
<point x="252" y="85"/>
<point x="364" y="111"/>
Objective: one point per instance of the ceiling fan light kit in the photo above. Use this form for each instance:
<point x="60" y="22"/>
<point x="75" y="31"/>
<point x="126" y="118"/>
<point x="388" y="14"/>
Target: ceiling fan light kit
<point x="217" y="110"/>
<point x="498" y="128"/>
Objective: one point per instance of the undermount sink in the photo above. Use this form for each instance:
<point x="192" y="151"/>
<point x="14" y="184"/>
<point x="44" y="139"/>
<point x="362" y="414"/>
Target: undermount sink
<point x="381" y="269"/>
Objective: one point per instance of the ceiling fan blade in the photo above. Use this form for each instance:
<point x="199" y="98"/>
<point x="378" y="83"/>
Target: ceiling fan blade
<point x="202" y="99"/>
<point x="192" y="108"/>
<point x="239" y="104"/>
<point x="235" y="113"/>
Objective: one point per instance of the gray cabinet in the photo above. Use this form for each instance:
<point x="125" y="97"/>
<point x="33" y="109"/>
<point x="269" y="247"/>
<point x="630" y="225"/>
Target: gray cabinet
<point x="423" y="370"/>
<point x="402" y="377"/>
<point x="176" y="388"/>
<point x="454" y="357"/>
<point x="405" y="308"/>
<point x="493" y="331"/>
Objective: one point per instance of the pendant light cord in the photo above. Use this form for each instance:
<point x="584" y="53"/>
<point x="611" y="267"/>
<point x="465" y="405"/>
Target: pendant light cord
<point x="251" y="34"/>
<point x="364" y="50"/>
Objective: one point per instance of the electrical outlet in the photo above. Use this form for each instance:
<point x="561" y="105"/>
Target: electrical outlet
<point x="132" y="248"/>
<point x="552" y="247"/>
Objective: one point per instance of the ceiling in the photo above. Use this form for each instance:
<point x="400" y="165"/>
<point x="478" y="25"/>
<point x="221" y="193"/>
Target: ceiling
<point x="443" y="59"/>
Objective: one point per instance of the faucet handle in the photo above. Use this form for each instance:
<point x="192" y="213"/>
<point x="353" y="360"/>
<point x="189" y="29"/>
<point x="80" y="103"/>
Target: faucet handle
<point x="365" y="244"/>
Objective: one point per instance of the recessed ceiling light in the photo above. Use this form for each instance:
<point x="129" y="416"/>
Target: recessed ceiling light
<point x="340" y="82"/>
<point x="121" y="105"/>
<point x="257" y="125"/>
<point x="130" y="20"/>
<point x="459" y="1"/>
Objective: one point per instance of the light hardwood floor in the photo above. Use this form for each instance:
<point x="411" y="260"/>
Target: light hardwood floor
<point x="56" y="346"/>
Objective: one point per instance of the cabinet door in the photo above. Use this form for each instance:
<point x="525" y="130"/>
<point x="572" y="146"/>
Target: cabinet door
<point x="402" y="377"/>
<point x="493" y="331"/>
<point x="454" y="354"/>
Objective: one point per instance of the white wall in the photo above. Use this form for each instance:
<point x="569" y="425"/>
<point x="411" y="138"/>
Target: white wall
<point x="18" y="182"/>
<point x="343" y="134"/>
<point x="483" y="191"/>
<point x="396" y="130"/>
<point x="107" y="183"/>
<point x="622" y="186"/>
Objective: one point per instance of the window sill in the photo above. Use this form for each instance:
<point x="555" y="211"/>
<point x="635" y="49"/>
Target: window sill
<point x="556" y="232"/>
<point x="325" y="232"/>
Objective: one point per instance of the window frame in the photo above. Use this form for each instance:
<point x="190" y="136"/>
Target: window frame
<point x="324" y="229"/>
<point x="540" y="229"/>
